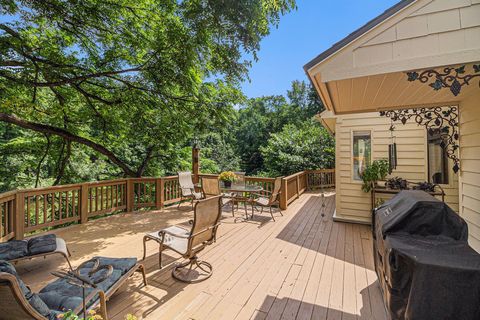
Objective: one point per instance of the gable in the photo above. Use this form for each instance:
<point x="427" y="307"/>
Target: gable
<point x="447" y="30"/>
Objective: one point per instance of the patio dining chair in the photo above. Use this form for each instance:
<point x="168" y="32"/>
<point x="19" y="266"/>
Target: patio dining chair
<point x="271" y="201"/>
<point x="189" y="242"/>
<point x="187" y="188"/>
<point x="211" y="188"/>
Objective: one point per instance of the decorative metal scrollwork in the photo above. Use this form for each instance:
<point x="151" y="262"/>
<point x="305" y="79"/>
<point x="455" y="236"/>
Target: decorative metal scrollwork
<point x="436" y="120"/>
<point x="453" y="78"/>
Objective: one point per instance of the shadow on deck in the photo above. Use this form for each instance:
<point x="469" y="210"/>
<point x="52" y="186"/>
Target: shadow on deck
<point x="303" y="266"/>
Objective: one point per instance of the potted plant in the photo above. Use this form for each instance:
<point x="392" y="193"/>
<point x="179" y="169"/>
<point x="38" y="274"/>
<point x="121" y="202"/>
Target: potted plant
<point x="378" y="170"/>
<point x="227" y="177"/>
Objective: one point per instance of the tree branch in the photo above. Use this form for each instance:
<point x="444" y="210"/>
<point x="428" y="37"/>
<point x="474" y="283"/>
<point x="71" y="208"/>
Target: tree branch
<point x="47" y="129"/>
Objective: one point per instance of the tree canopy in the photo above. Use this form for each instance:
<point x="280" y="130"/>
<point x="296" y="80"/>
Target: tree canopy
<point x="126" y="78"/>
<point x="93" y="90"/>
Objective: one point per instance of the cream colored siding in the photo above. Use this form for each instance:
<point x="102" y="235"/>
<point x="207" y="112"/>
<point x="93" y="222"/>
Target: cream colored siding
<point x="470" y="166"/>
<point x="352" y="203"/>
<point x="425" y="34"/>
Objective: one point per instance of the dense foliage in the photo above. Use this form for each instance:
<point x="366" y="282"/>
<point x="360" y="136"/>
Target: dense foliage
<point x="91" y="90"/>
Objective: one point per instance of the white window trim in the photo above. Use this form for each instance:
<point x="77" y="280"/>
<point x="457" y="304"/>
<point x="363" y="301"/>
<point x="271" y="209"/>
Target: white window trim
<point x="372" y="146"/>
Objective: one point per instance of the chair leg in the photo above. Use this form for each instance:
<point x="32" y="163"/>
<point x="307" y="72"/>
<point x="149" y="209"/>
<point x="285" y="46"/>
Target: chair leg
<point x="271" y="213"/>
<point x="145" y="239"/>
<point x="103" y="305"/>
<point x="180" y="202"/>
<point x="68" y="261"/>
<point x="160" y="249"/>
<point x="141" y="268"/>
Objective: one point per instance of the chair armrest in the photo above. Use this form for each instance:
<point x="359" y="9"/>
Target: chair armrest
<point x="205" y="230"/>
<point x="162" y="234"/>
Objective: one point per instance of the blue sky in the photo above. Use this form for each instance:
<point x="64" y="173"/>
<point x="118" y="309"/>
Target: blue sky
<point x="301" y="36"/>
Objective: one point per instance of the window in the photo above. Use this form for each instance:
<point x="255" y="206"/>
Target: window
<point x="362" y="152"/>
<point x="437" y="159"/>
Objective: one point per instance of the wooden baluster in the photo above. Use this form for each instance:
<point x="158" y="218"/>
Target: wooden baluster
<point x="36" y="210"/>
<point x="28" y="211"/>
<point x="111" y="195"/>
<point x="3" y="211"/>
<point x="96" y="199"/>
<point x="45" y="218"/>
<point x="73" y="203"/>
<point x="67" y="207"/>
<point x="60" y="207"/>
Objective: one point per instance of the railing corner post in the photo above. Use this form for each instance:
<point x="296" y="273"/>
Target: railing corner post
<point x="130" y="197"/>
<point x="283" y="195"/>
<point x="159" y="193"/>
<point x="19" y="218"/>
<point x="84" y="203"/>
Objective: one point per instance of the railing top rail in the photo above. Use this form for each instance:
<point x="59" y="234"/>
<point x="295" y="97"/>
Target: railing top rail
<point x="8" y="194"/>
<point x="321" y="171"/>
<point x="295" y="175"/>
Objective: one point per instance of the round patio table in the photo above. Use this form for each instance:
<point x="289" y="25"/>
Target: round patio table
<point x="239" y="194"/>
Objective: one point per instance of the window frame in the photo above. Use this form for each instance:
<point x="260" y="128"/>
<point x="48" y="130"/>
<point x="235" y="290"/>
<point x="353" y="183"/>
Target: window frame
<point x="352" y="136"/>
<point x="446" y="163"/>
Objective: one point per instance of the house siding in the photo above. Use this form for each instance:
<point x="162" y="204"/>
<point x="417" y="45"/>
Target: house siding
<point x="470" y="167"/>
<point x="352" y="204"/>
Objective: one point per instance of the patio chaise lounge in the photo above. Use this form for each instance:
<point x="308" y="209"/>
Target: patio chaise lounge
<point x="41" y="246"/>
<point x="189" y="242"/>
<point x="19" y="302"/>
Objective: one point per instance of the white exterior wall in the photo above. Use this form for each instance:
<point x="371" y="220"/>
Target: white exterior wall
<point x="352" y="204"/>
<point x="470" y="166"/>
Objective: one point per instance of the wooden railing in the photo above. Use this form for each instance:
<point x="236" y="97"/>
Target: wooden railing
<point x="26" y="211"/>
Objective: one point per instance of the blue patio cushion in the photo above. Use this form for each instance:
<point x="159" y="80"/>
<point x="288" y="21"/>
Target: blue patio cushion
<point x="32" y="298"/>
<point x="13" y="249"/>
<point x="42" y="244"/>
<point x="62" y="296"/>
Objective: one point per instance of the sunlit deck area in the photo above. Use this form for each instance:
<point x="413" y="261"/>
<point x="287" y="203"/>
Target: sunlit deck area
<point x="303" y="266"/>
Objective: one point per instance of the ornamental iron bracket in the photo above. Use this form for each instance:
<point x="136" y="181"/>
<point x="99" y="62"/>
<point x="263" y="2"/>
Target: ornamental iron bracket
<point x="441" y="120"/>
<point x="453" y="78"/>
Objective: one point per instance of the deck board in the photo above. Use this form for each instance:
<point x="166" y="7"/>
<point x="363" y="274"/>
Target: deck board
<point x="302" y="266"/>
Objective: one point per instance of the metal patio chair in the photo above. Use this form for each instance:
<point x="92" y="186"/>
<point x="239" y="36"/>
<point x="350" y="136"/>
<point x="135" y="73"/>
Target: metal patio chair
<point x="189" y="242"/>
<point x="273" y="198"/>
<point x="211" y="188"/>
<point x="187" y="188"/>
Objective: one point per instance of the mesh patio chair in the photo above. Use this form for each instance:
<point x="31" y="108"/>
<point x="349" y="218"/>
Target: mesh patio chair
<point x="189" y="242"/>
<point x="187" y="188"/>
<point x="272" y="200"/>
<point x="211" y="188"/>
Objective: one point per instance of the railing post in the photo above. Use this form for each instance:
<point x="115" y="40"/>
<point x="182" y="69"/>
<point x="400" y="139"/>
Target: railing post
<point x="307" y="178"/>
<point x="84" y="203"/>
<point x="298" y="186"/>
<point x="159" y="193"/>
<point x="19" y="216"/>
<point x="130" y="196"/>
<point x="283" y="195"/>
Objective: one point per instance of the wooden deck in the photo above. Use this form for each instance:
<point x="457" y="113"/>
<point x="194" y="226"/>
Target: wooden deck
<point x="303" y="266"/>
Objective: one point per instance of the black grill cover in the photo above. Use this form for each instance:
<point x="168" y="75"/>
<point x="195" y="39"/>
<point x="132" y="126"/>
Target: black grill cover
<point x="424" y="264"/>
